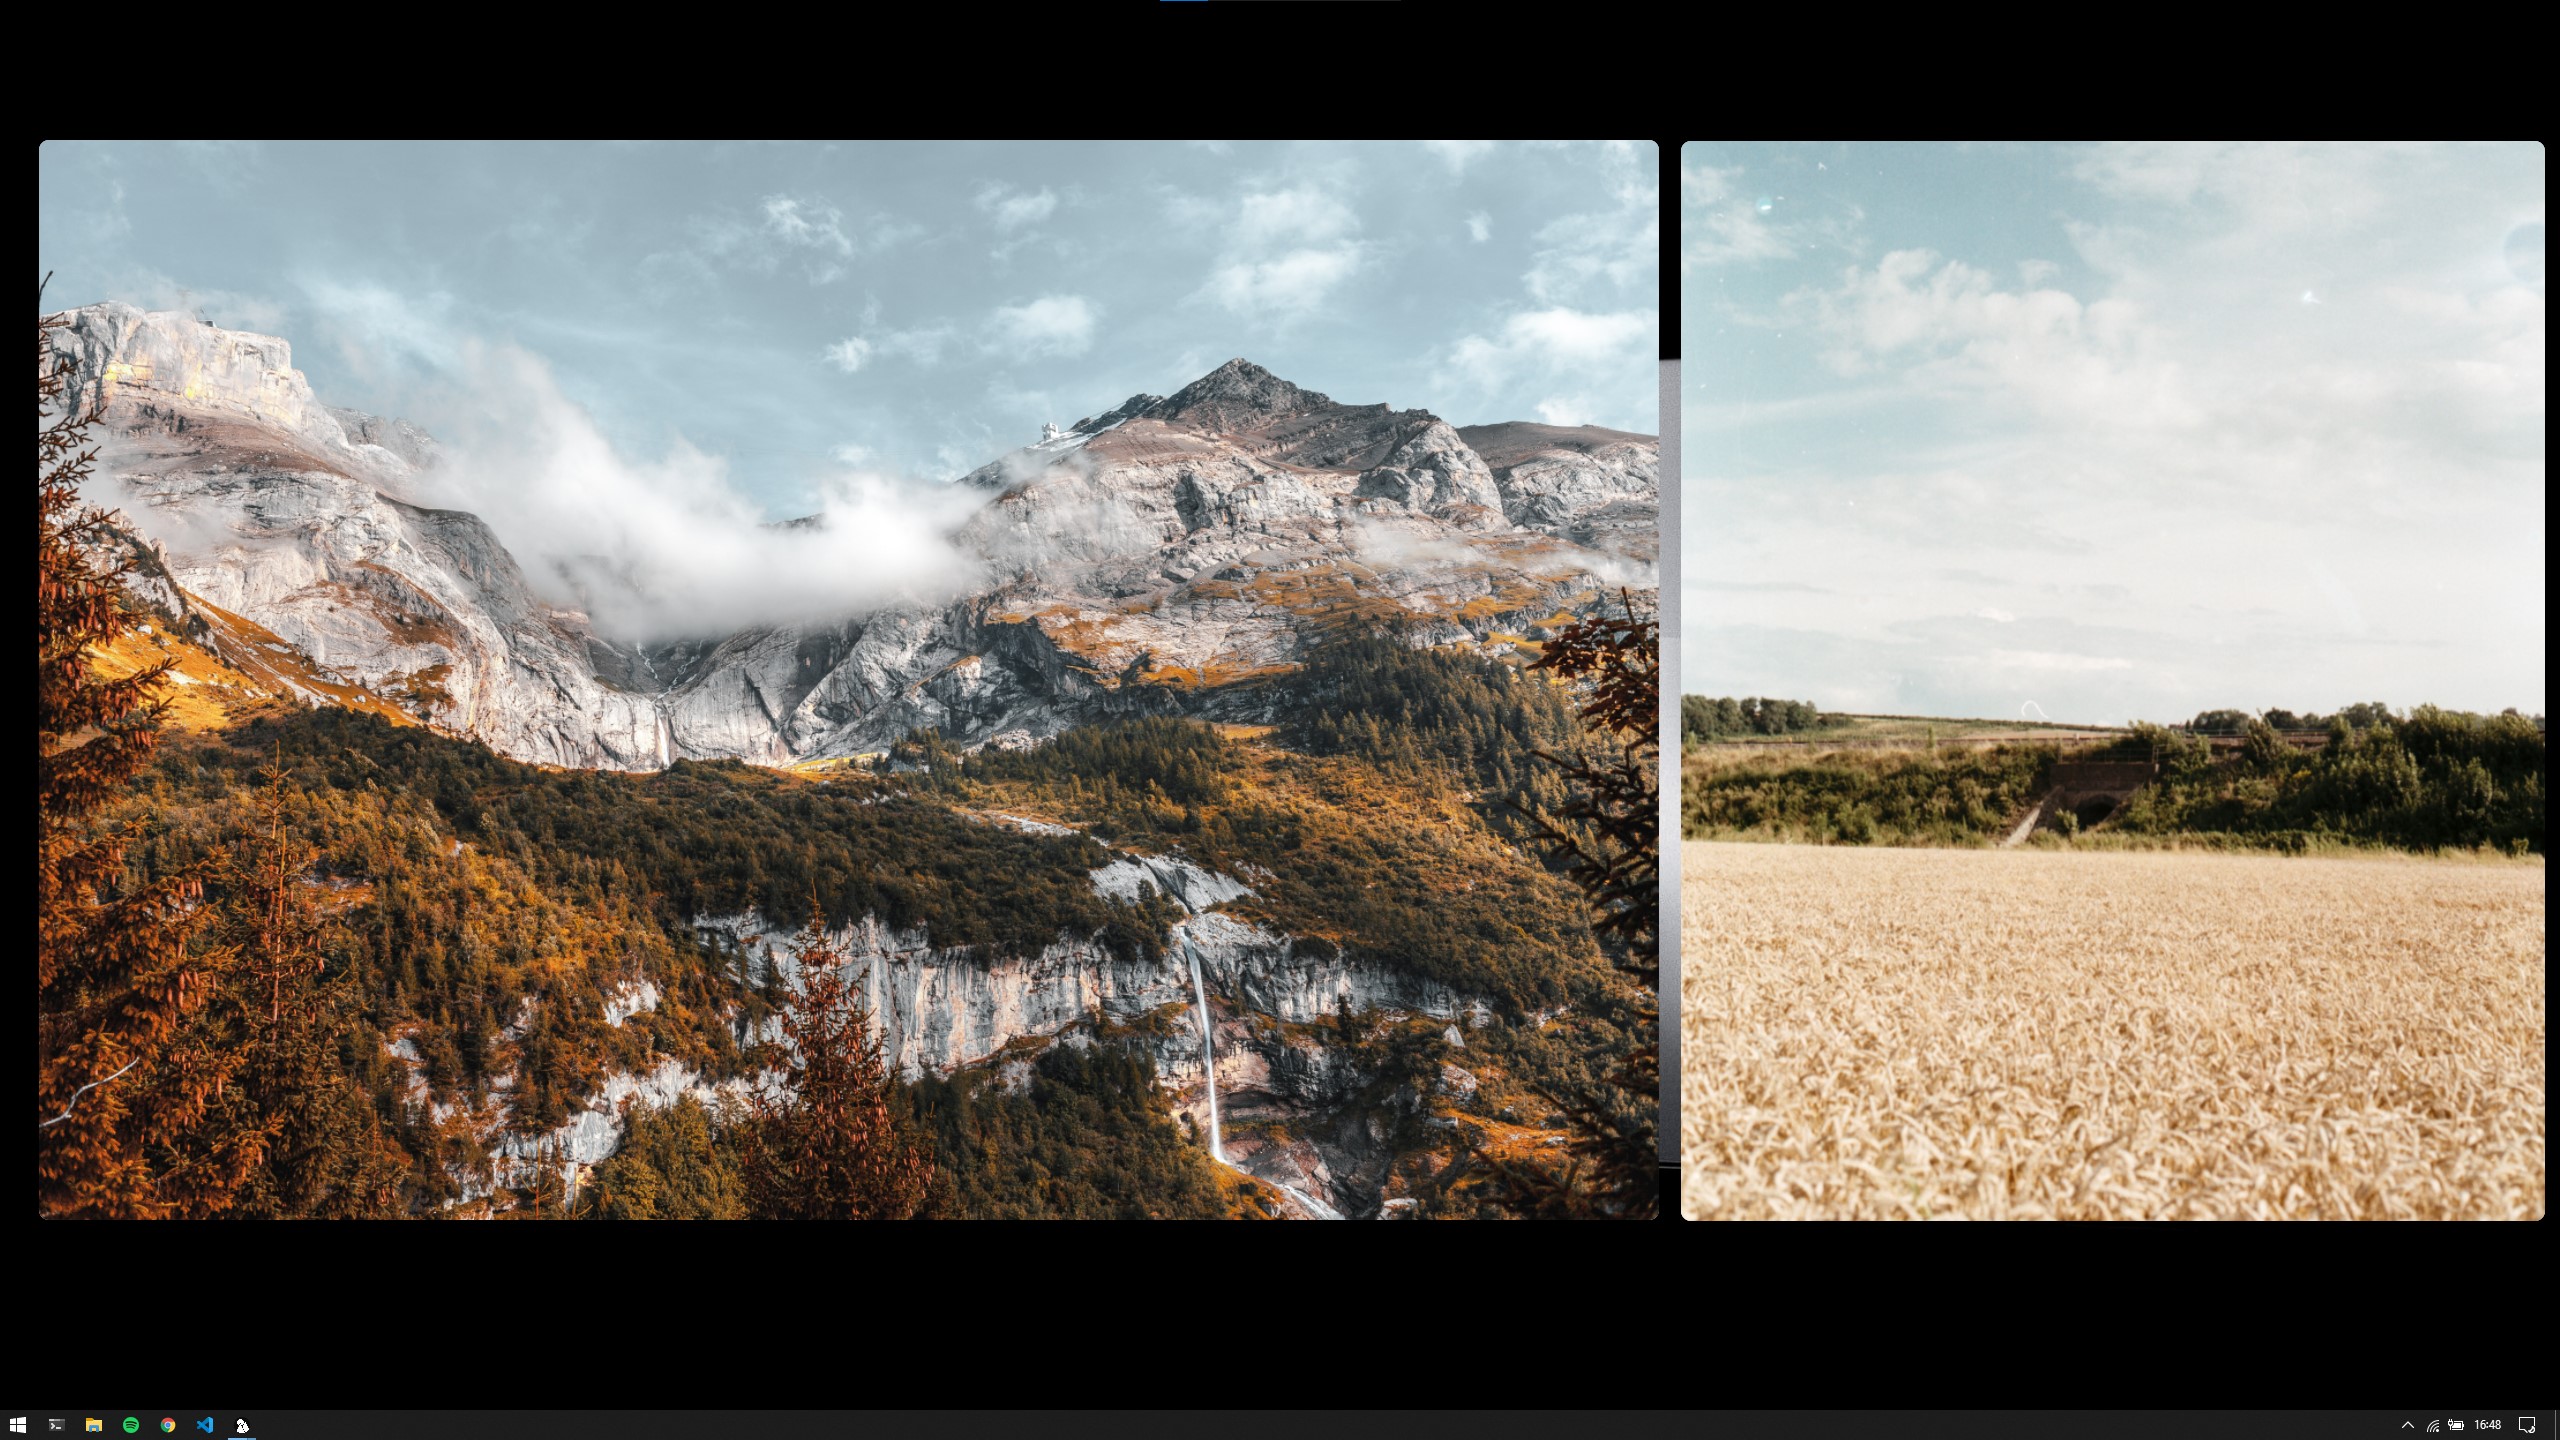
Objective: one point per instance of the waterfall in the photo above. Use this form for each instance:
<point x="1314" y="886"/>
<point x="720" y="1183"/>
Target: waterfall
<point x="1208" y="1054"/>
<point x="1209" y="1078"/>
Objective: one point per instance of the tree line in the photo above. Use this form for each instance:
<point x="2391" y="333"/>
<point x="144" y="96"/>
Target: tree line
<point x="1725" y="717"/>
<point x="2432" y="779"/>
<point x="2363" y="715"/>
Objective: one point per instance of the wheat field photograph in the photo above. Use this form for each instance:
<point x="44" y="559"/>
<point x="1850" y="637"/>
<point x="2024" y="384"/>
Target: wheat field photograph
<point x="2053" y="517"/>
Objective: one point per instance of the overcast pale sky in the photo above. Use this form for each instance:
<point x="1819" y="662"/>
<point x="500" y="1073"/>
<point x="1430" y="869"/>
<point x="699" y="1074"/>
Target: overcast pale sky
<point x="2113" y="432"/>
<point x="789" y="310"/>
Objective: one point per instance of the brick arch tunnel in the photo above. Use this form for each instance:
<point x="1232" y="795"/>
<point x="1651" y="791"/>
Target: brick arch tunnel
<point x="2090" y="791"/>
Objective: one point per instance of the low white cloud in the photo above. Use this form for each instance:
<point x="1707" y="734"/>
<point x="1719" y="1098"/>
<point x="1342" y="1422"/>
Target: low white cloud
<point x="229" y="309"/>
<point x="1011" y="209"/>
<point x="1050" y="325"/>
<point x="380" y="332"/>
<point x="1480" y="227"/>
<point x="1995" y="614"/>
<point x="849" y="353"/>
<point x="672" y="547"/>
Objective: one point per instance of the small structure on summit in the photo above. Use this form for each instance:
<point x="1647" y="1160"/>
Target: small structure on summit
<point x="1050" y="432"/>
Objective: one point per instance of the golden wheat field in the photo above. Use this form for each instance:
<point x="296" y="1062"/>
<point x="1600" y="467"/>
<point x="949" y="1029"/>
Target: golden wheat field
<point x="2010" y="1034"/>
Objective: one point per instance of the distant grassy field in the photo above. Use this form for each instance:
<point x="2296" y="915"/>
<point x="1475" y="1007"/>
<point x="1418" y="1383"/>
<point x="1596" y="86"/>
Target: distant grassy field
<point x="1887" y="1033"/>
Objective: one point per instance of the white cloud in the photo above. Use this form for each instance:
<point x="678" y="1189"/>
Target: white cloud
<point x="1951" y="330"/>
<point x="673" y="547"/>
<point x="813" y="224"/>
<point x="1995" y="614"/>
<point x="1459" y="154"/>
<point x="1605" y="256"/>
<point x="1480" y="227"/>
<point x="1012" y="209"/>
<point x="1050" y="325"/>
<point x="1285" y="252"/>
<point x="1291" y="284"/>
<point x="1301" y="215"/>
<point x="230" y="309"/>
<point x="849" y="353"/>
<point x="1556" y="339"/>
<point x="379" y="330"/>
<point x="1721" y="225"/>
<point x="851" y="454"/>
<point x="808" y="230"/>
<point x="1588" y="365"/>
<point x="1566" y="409"/>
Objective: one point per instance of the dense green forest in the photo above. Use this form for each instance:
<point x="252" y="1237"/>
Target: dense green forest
<point x="1703" y="719"/>
<point x="1084" y="1139"/>
<point x="1409" y="710"/>
<point x="1070" y="1146"/>
<point x="464" y="885"/>
<point x="1392" y="829"/>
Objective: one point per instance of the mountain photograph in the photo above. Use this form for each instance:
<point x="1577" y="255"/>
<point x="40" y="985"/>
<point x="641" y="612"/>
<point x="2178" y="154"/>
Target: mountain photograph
<point x="838" y="682"/>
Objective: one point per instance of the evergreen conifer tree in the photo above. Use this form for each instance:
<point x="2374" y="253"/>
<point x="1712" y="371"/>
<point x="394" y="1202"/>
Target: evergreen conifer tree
<point x="832" y="1145"/>
<point x="121" y="1084"/>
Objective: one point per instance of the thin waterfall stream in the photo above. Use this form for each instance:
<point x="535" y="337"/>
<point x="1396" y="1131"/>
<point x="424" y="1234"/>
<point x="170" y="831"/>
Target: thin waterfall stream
<point x="1209" y="1078"/>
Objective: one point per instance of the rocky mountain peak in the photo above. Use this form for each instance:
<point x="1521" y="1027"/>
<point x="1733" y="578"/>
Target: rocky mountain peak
<point x="1236" y="395"/>
<point x="176" y="383"/>
<point x="1162" y="557"/>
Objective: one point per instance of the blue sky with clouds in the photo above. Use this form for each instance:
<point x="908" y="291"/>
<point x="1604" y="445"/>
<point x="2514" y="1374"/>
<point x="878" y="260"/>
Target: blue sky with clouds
<point x="2113" y="431"/>
<point x="792" y="310"/>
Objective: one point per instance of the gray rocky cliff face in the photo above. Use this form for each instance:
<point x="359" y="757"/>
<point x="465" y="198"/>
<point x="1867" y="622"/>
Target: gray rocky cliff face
<point x="941" y="1009"/>
<point x="1155" y="559"/>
